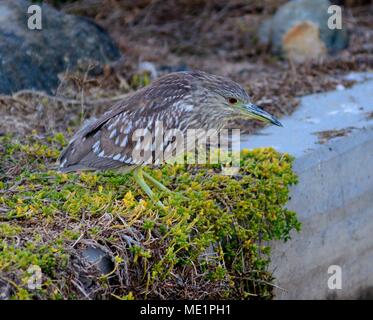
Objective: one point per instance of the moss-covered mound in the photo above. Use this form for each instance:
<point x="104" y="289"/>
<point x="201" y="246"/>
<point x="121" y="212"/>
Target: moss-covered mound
<point x="210" y="241"/>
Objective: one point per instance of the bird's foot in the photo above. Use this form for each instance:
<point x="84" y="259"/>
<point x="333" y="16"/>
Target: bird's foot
<point x="161" y="186"/>
<point x="139" y="177"/>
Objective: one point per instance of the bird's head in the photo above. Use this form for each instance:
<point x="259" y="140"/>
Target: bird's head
<point x="229" y="99"/>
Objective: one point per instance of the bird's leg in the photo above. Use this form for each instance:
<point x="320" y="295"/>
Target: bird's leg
<point x="158" y="184"/>
<point x="139" y="177"/>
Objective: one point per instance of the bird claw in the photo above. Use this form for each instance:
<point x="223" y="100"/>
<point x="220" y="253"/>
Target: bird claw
<point x="139" y="176"/>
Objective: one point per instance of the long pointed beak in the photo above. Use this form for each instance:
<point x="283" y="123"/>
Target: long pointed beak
<point x="258" y="113"/>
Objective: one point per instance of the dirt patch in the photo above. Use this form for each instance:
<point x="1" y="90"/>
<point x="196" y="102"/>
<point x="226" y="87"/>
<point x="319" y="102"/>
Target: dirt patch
<point x="369" y="115"/>
<point x="325" y="136"/>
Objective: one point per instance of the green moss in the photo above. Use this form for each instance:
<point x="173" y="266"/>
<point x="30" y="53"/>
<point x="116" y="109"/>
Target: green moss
<point x="213" y="242"/>
<point x="139" y="80"/>
<point x="7" y="230"/>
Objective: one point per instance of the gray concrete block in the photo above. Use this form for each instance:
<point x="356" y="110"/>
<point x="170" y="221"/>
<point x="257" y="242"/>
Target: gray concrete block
<point x="334" y="196"/>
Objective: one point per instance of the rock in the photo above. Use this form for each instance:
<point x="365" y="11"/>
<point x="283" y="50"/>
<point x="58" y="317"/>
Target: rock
<point x="149" y="67"/>
<point x="302" y="43"/>
<point x="299" y="30"/>
<point x="32" y="59"/>
<point x="90" y="263"/>
<point x="5" y="290"/>
<point x="98" y="257"/>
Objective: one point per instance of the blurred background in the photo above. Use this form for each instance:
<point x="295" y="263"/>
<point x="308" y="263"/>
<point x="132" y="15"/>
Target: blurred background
<point x="90" y="53"/>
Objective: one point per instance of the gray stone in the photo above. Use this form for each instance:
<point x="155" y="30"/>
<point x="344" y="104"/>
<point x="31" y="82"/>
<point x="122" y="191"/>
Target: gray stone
<point x="294" y="12"/>
<point x="98" y="257"/>
<point x="334" y="196"/>
<point x="32" y="59"/>
<point x="5" y="290"/>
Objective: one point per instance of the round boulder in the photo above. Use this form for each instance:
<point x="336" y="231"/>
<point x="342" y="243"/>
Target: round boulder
<point x="299" y="30"/>
<point x="32" y="59"/>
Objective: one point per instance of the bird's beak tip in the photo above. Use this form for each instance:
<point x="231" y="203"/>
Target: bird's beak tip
<point x="260" y="114"/>
<point x="277" y="123"/>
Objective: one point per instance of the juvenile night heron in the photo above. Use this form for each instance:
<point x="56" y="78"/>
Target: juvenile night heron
<point x="181" y="100"/>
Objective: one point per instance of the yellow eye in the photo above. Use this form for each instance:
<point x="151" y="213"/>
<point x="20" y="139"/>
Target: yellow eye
<point x="232" y="100"/>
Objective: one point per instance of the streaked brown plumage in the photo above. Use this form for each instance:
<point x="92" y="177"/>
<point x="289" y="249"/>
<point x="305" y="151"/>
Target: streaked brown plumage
<point x="181" y="100"/>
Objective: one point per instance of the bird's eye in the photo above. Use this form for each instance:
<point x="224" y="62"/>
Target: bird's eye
<point x="232" y="100"/>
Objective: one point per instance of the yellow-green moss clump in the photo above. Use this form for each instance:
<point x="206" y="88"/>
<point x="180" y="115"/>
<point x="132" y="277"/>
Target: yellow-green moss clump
<point x="211" y="241"/>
